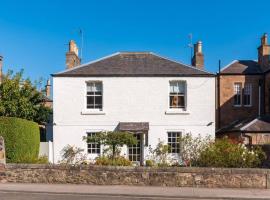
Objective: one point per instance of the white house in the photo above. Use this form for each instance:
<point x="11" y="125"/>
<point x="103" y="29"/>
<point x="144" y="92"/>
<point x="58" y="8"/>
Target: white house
<point x="151" y="96"/>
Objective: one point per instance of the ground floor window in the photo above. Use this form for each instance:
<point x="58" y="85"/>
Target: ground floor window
<point x="174" y="142"/>
<point x="134" y="151"/>
<point x="93" y="147"/>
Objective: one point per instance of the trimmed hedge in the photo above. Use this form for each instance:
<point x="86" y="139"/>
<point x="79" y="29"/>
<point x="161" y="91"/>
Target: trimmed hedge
<point x="21" y="139"/>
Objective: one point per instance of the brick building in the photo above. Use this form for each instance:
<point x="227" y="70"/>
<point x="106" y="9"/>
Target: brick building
<point x="243" y="99"/>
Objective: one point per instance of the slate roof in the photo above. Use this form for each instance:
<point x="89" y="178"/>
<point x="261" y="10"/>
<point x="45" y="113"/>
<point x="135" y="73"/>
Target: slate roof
<point x="133" y="64"/>
<point x="133" y="126"/>
<point x="242" y="67"/>
<point x="259" y="124"/>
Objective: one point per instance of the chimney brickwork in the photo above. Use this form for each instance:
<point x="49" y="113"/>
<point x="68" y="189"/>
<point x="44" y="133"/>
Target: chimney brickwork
<point x="264" y="53"/>
<point x="72" y="56"/>
<point x="198" y="57"/>
<point x="48" y="88"/>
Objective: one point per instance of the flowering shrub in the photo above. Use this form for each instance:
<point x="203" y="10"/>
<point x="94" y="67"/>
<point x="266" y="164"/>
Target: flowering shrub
<point x="224" y="153"/>
<point x="118" y="161"/>
<point x="72" y="155"/>
<point x="159" y="156"/>
<point x="191" y="147"/>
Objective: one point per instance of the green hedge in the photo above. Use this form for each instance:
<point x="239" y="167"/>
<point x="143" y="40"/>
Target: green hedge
<point x="21" y="139"/>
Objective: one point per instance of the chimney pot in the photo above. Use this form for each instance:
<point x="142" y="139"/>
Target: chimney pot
<point x="264" y="39"/>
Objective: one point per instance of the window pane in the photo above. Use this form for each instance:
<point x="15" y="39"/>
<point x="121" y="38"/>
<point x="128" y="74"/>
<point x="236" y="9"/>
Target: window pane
<point x="93" y="147"/>
<point x="177" y="94"/>
<point x="237" y="93"/>
<point x="90" y="87"/>
<point x="174" y="142"/>
<point x="181" y="101"/>
<point x="98" y="87"/>
<point x="94" y="95"/>
<point x="247" y="94"/>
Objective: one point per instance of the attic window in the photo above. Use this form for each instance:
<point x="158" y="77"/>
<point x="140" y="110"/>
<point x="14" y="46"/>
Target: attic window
<point x="177" y="94"/>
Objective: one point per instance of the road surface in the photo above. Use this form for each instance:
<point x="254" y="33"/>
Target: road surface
<point x="11" y="191"/>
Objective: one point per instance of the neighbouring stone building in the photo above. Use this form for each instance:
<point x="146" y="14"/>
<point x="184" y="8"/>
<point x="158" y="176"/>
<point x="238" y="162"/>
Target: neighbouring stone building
<point x="243" y="99"/>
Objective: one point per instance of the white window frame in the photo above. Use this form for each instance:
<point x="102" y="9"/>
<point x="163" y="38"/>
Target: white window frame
<point x="86" y="95"/>
<point x="169" y="143"/>
<point x="247" y="91"/>
<point x="185" y="95"/>
<point x="87" y="149"/>
<point x="235" y="92"/>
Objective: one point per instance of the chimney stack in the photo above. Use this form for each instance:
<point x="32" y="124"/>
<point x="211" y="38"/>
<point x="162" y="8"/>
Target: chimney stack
<point x="198" y="57"/>
<point x="48" y="88"/>
<point x="72" y="56"/>
<point x="264" y="53"/>
<point x="1" y="68"/>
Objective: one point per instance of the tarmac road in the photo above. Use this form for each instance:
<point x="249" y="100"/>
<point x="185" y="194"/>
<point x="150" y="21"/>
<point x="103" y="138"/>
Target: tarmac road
<point x="15" y="191"/>
<point x="6" y="195"/>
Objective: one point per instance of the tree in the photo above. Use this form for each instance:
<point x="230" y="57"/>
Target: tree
<point x="113" y="139"/>
<point x="20" y="98"/>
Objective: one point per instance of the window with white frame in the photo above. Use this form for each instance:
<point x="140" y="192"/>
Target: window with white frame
<point x="94" y="95"/>
<point x="174" y="142"/>
<point x="247" y="94"/>
<point x="177" y="94"/>
<point x="237" y="100"/>
<point x="92" y="147"/>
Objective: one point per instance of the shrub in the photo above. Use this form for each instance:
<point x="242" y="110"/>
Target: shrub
<point x="191" y="148"/>
<point x="118" y="161"/>
<point x="72" y="155"/>
<point x="160" y="155"/>
<point x="21" y="139"/>
<point x="224" y="153"/>
<point x="149" y="163"/>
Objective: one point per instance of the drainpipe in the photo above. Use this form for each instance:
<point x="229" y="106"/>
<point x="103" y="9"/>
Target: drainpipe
<point x="218" y="93"/>
<point x="260" y="87"/>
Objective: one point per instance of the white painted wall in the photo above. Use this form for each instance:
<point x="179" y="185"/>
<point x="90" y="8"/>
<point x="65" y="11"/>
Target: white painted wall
<point x="46" y="149"/>
<point x="130" y="99"/>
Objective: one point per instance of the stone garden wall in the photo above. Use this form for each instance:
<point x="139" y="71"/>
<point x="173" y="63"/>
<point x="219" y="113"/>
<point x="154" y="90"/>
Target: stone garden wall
<point x="140" y="176"/>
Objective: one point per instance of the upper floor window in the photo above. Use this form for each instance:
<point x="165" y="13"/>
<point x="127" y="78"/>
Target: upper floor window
<point x="174" y="142"/>
<point x="94" y="95"/>
<point x="93" y="147"/>
<point x="237" y="100"/>
<point x="177" y="94"/>
<point x="247" y="95"/>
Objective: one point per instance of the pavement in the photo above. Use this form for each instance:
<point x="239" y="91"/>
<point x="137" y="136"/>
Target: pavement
<point x="12" y="191"/>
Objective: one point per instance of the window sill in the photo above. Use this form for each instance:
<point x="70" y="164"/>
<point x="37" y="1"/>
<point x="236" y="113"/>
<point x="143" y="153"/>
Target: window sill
<point x="177" y="112"/>
<point x="92" y="112"/>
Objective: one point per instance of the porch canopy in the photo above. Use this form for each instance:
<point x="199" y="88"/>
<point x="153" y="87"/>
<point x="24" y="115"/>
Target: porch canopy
<point x="133" y="126"/>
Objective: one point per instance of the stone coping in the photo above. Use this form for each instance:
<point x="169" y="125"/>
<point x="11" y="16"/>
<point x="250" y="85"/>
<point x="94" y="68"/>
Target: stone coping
<point x="143" y="169"/>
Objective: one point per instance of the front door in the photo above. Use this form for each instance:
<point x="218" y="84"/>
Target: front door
<point x="135" y="151"/>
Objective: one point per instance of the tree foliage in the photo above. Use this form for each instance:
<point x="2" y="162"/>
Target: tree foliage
<point x="20" y="98"/>
<point x="113" y="139"/>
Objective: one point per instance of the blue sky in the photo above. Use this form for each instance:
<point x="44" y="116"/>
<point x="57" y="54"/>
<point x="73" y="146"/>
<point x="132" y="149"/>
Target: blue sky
<point x="34" y="34"/>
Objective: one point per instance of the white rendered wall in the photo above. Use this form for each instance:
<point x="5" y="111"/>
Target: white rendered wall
<point x="142" y="99"/>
